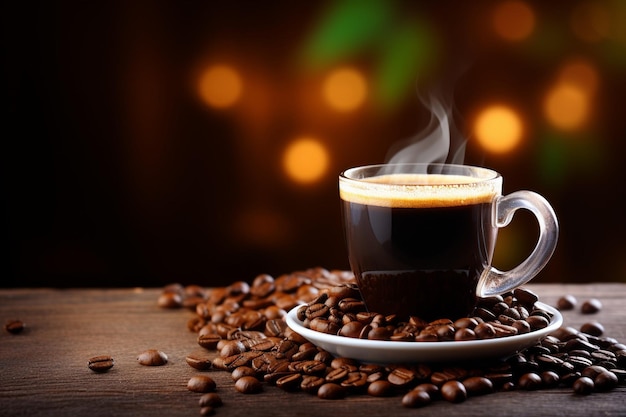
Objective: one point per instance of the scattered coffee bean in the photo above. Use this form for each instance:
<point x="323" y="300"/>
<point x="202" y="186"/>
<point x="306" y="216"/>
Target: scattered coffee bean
<point x="593" y="328"/>
<point x="530" y="381"/>
<point x="380" y="388"/>
<point x="199" y="360"/>
<point x="591" y="306"/>
<point x="14" y="326"/>
<point x="453" y="391"/>
<point x="478" y="385"/>
<point x="101" y="363"/>
<point x="201" y="383"/>
<point x="210" y="399"/>
<point x="248" y="385"/>
<point x="152" y="357"/>
<point x="567" y="302"/>
<point x="583" y="386"/>
<point x="331" y="391"/>
<point x="416" y="398"/>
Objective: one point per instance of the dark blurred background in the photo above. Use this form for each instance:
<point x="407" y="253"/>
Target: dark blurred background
<point x="148" y="142"/>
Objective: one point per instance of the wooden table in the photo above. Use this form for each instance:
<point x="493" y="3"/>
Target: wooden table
<point x="43" y="371"/>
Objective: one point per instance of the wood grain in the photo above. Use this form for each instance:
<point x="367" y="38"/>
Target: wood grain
<point x="43" y="371"/>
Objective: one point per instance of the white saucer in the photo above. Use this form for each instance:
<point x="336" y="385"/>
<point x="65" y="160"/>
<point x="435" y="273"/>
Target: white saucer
<point x="379" y="351"/>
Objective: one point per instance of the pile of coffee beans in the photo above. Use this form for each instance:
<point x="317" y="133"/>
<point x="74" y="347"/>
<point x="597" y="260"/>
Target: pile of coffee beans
<point x="243" y="326"/>
<point x="340" y="311"/>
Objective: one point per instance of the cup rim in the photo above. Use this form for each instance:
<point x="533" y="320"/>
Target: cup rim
<point x="481" y="174"/>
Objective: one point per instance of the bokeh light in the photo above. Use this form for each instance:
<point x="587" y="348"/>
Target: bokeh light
<point x="513" y="20"/>
<point x="566" y="106"/>
<point x="305" y="160"/>
<point x="345" y="89"/>
<point x="220" y="86"/>
<point x="581" y="74"/>
<point x="498" y="129"/>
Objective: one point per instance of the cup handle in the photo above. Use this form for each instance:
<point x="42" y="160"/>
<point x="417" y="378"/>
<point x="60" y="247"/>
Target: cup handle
<point x="493" y="281"/>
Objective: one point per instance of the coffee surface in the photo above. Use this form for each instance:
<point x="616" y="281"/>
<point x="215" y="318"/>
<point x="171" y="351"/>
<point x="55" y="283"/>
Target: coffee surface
<point x="418" y="190"/>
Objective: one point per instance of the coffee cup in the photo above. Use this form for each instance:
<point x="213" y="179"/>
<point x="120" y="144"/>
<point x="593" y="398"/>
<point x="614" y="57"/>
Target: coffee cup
<point x="421" y="237"/>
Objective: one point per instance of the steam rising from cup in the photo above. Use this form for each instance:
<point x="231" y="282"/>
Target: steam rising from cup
<point x="439" y="142"/>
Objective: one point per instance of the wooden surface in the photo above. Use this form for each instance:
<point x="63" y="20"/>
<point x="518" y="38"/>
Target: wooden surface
<point x="43" y="371"/>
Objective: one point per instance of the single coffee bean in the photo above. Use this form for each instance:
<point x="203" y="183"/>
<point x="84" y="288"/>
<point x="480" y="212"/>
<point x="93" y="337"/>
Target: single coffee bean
<point x="583" y="386"/>
<point x="453" y="391"/>
<point x="199" y="360"/>
<point x="593" y="328"/>
<point x="170" y="300"/>
<point x="242" y="371"/>
<point x="101" y="363"/>
<point x="529" y="381"/>
<point x="248" y="385"/>
<point x="525" y="297"/>
<point x="311" y="383"/>
<point x="549" y="379"/>
<point x="591" y="306"/>
<point x="289" y="382"/>
<point x="478" y="385"/>
<point x="380" y="388"/>
<point x="14" y="326"/>
<point x="605" y="381"/>
<point x="416" y="398"/>
<point x="152" y="357"/>
<point x="331" y="391"/>
<point x="210" y="399"/>
<point x="201" y="383"/>
<point x="567" y="302"/>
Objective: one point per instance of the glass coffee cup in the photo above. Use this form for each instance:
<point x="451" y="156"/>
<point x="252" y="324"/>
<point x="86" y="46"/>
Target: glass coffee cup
<point x="421" y="237"/>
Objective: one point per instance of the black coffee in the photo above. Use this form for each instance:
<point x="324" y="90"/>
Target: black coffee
<point x="420" y="255"/>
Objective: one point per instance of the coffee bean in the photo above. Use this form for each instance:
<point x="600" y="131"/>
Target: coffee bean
<point x="311" y="383"/>
<point x="478" y="385"/>
<point x="549" y="379"/>
<point x="453" y="391"/>
<point x="210" y="399"/>
<point x="170" y="300"/>
<point x="289" y="382"/>
<point x="248" y="385"/>
<point x="380" y="389"/>
<point x="14" y="326"/>
<point x="591" y="306"/>
<point x="242" y="371"/>
<point x="152" y="357"/>
<point x="401" y="376"/>
<point x="101" y="363"/>
<point x="199" y="360"/>
<point x="525" y="297"/>
<point x="583" y="386"/>
<point x="331" y="391"/>
<point x="201" y="383"/>
<point x="605" y="381"/>
<point x="593" y="328"/>
<point x="416" y="398"/>
<point x="567" y="302"/>
<point x="529" y="381"/>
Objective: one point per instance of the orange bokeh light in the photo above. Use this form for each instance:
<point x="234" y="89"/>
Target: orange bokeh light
<point x="566" y="106"/>
<point x="498" y="129"/>
<point x="220" y="86"/>
<point x="581" y="74"/>
<point x="513" y="20"/>
<point x="345" y="89"/>
<point x="305" y="160"/>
